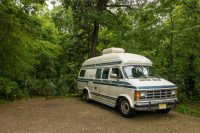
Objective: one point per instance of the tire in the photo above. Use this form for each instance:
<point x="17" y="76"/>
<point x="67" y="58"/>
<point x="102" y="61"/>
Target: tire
<point x="163" y="111"/>
<point x="125" y="108"/>
<point x="86" y="96"/>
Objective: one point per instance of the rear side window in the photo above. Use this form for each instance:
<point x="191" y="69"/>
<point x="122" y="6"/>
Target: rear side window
<point x="98" y="74"/>
<point x="82" y="73"/>
<point x="105" y="73"/>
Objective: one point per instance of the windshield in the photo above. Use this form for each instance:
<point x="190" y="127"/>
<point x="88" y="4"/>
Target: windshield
<point x="137" y="71"/>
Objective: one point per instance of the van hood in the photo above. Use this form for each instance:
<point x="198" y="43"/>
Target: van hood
<point x="151" y="83"/>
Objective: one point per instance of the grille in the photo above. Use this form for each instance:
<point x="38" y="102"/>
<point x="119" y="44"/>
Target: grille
<point x="159" y="94"/>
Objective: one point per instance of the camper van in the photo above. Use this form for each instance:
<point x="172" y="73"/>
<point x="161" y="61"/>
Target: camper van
<point x="125" y="80"/>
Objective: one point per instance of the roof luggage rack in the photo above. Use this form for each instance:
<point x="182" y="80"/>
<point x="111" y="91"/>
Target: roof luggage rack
<point x="113" y="50"/>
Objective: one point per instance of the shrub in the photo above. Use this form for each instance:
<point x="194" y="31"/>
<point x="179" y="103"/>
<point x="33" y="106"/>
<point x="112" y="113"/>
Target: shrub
<point x="8" y="89"/>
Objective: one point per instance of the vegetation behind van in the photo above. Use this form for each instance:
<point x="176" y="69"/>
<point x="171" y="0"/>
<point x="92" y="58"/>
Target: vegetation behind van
<point x="126" y="81"/>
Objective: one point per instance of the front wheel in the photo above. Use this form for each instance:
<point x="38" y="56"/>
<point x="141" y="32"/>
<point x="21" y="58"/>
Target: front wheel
<point x="125" y="108"/>
<point x="163" y="111"/>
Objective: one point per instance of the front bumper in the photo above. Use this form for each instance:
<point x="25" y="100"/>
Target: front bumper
<point x="154" y="104"/>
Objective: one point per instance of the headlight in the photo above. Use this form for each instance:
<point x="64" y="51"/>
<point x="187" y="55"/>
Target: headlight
<point x="173" y="92"/>
<point x="143" y="94"/>
<point x="139" y="95"/>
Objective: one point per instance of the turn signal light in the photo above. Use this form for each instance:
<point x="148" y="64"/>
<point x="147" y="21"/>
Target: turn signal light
<point x="137" y="95"/>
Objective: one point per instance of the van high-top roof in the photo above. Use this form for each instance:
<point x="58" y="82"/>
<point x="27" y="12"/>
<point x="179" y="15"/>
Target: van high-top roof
<point x="113" y="56"/>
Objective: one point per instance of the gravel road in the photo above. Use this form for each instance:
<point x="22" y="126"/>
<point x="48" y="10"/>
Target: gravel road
<point x="73" y="115"/>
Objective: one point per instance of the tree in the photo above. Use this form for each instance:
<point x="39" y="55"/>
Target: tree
<point x="92" y="14"/>
<point x="28" y="46"/>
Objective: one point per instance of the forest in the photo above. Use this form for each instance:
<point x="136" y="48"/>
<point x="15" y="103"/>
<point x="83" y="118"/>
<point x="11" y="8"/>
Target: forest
<point x="42" y="49"/>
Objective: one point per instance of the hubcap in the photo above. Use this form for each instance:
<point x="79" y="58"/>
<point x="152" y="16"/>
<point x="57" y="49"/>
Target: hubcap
<point x="125" y="107"/>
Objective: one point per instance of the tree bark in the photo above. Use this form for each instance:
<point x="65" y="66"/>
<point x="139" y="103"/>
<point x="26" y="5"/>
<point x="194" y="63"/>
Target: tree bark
<point x="101" y="5"/>
<point x="94" y="41"/>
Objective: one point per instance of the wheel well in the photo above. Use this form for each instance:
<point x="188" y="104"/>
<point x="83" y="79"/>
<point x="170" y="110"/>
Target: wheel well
<point x="85" y="91"/>
<point x="118" y="99"/>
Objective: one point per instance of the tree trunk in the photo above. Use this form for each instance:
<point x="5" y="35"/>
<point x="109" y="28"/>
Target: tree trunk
<point x="94" y="39"/>
<point x="101" y="5"/>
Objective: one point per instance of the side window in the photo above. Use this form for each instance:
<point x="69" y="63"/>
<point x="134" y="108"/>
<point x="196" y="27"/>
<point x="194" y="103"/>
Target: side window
<point x="105" y="73"/>
<point x="98" y="74"/>
<point x="82" y="73"/>
<point x="118" y="72"/>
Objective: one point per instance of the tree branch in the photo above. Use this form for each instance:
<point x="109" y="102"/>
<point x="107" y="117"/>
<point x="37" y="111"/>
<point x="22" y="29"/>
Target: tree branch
<point x="116" y="18"/>
<point x="127" y="6"/>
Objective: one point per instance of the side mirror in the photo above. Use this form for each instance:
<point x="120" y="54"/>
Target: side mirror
<point x="114" y="76"/>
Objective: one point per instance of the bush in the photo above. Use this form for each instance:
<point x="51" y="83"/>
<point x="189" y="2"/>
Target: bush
<point x="55" y="87"/>
<point x="8" y="89"/>
<point x="186" y="109"/>
<point x="66" y="84"/>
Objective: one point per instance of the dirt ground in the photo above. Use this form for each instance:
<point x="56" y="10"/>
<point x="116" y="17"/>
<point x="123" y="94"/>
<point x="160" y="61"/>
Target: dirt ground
<point x="73" y="115"/>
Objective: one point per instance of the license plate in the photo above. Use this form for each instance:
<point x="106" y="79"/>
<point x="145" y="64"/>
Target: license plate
<point x="162" y="106"/>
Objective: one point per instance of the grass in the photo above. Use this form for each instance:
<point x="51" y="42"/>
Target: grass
<point x="189" y="108"/>
<point x="49" y="97"/>
<point x="2" y="101"/>
<point x="72" y="95"/>
<point x="65" y="96"/>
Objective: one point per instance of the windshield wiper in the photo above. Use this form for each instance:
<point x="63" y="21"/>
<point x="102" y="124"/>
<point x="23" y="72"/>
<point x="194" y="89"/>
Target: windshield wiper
<point x="143" y="76"/>
<point x="157" y="76"/>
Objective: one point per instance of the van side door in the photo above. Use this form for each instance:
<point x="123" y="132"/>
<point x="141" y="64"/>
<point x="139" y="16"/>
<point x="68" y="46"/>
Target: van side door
<point x="96" y="83"/>
<point x="104" y="87"/>
<point x="101" y="83"/>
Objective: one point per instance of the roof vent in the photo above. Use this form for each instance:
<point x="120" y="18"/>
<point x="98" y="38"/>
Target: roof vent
<point x="113" y="50"/>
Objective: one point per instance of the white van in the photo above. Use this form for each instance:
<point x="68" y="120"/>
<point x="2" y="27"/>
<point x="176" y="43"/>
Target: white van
<point x="124" y="80"/>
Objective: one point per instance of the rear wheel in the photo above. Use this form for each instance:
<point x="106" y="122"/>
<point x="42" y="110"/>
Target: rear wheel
<point x="86" y="96"/>
<point x="163" y="111"/>
<point x="125" y="108"/>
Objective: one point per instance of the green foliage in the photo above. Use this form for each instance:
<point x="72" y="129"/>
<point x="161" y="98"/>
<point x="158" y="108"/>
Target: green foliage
<point x="188" y="109"/>
<point x="29" y="50"/>
<point x="66" y="84"/>
<point x="15" y="50"/>
<point x="8" y="89"/>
